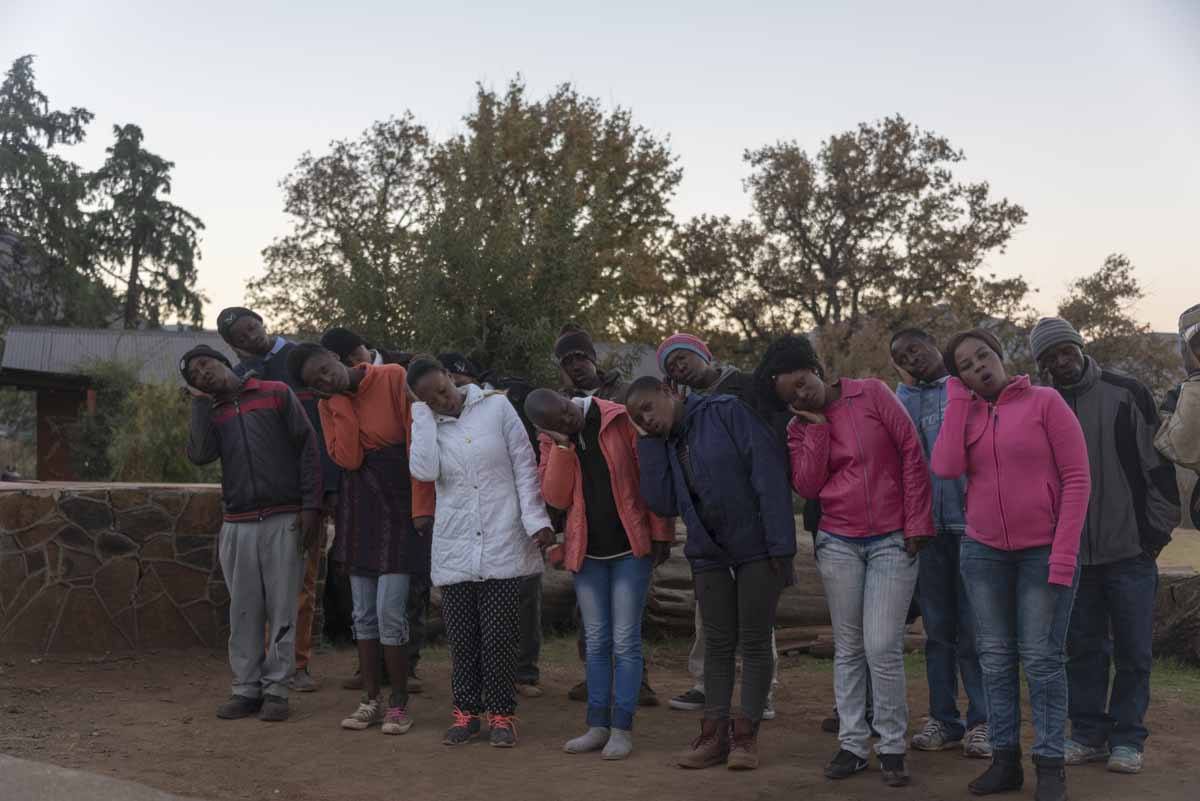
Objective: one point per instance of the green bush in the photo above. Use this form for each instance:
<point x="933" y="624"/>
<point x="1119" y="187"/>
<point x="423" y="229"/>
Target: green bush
<point x="150" y="441"/>
<point x="91" y="436"/>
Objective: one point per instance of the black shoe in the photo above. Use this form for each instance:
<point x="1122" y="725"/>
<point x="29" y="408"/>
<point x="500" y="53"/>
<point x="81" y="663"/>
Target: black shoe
<point x="239" y="706"/>
<point x="274" y="709"/>
<point x="578" y="692"/>
<point x="691" y="701"/>
<point x="1051" y="779"/>
<point x="844" y="765"/>
<point x="895" y="773"/>
<point x="1003" y="775"/>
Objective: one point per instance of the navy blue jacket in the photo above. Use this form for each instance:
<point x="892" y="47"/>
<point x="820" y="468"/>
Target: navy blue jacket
<point x="273" y="367"/>
<point x="741" y="477"/>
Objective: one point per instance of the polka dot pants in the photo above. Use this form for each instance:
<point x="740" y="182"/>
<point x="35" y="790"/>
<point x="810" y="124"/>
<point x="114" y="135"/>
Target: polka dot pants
<point x="482" y="625"/>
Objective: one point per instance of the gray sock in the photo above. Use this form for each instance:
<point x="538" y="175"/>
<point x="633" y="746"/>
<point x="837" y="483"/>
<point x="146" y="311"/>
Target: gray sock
<point x="620" y="744"/>
<point x="592" y="740"/>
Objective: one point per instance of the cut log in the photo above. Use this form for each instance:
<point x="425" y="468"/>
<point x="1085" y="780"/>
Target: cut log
<point x="1177" y="615"/>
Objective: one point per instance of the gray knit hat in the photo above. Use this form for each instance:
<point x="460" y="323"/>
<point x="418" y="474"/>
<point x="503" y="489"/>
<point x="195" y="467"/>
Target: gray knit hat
<point x="1051" y="331"/>
<point x="1189" y="323"/>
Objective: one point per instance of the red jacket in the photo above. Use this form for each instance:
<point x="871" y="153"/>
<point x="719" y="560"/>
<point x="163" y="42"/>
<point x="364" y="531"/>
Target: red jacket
<point x="865" y="465"/>
<point x="562" y="487"/>
<point x="1026" y="462"/>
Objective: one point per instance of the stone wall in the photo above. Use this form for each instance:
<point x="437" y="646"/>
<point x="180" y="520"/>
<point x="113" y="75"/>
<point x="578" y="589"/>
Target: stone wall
<point x="110" y="567"/>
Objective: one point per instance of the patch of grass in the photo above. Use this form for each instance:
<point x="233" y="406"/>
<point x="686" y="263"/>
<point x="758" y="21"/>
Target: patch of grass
<point x="1173" y="680"/>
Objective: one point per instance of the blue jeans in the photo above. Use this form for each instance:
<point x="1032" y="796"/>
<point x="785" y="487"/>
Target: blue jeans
<point x="949" y="635"/>
<point x="1021" y="621"/>
<point x="869" y="586"/>
<point x="1117" y="598"/>
<point x="380" y="607"/>
<point x="612" y="595"/>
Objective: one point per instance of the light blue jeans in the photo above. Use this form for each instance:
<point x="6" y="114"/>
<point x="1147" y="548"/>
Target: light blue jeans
<point x="869" y="586"/>
<point x="611" y="595"/>
<point x="380" y="611"/>
<point x="1021" y="620"/>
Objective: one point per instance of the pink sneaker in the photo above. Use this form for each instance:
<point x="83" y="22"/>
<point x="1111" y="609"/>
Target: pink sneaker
<point x="397" y="721"/>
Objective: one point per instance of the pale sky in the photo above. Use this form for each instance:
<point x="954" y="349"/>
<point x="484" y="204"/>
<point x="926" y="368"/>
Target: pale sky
<point x="1085" y="113"/>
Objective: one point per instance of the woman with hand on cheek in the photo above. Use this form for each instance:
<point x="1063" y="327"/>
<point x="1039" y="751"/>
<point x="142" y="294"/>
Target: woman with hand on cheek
<point x="491" y="522"/>
<point x="854" y="448"/>
<point x="366" y="418"/>
<point x="1028" y="485"/>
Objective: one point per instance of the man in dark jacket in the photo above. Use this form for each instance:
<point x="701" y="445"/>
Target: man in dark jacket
<point x="1134" y="508"/>
<point x="687" y="362"/>
<point x="271" y="490"/>
<point x="266" y="356"/>
<point x="716" y="464"/>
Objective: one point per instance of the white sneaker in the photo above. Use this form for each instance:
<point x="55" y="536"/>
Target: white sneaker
<point x="977" y="744"/>
<point x="369" y="713"/>
<point x="934" y="737"/>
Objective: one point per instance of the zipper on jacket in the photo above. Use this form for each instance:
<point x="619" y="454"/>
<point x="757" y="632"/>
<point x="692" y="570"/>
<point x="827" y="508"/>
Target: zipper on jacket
<point x="862" y="458"/>
<point x="237" y="410"/>
<point x="996" y="456"/>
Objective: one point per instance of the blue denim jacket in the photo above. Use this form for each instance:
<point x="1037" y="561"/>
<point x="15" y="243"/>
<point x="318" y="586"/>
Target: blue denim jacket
<point x="926" y="405"/>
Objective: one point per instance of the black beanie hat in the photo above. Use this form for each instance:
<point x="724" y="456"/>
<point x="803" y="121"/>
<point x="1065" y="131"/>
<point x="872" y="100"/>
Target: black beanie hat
<point x="573" y="340"/>
<point x="200" y="350"/>
<point x="228" y="317"/>
<point x="457" y="363"/>
<point x="341" y="341"/>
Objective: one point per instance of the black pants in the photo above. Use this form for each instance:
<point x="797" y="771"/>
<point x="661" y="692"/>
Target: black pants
<point x="531" y="630"/>
<point x="417" y="609"/>
<point x="738" y="608"/>
<point x="483" y="627"/>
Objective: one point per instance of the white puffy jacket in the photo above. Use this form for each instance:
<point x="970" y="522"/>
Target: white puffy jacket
<point x="488" y="499"/>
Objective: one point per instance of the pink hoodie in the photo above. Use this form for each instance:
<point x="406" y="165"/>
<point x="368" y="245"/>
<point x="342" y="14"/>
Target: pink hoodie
<point x="1026" y="462"/>
<point x="865" y="465"/>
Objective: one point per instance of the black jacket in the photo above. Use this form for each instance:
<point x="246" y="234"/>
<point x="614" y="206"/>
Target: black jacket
<point x="273" y="367"/>
<point x="270" y="462"/>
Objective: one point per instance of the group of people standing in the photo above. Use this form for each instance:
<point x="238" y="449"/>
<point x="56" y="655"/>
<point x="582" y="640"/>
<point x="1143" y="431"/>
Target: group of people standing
<point x="1024" y="520"/>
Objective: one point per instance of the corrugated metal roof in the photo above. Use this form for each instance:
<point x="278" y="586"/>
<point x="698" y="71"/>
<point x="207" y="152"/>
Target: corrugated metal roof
<point x="69" y="351"/>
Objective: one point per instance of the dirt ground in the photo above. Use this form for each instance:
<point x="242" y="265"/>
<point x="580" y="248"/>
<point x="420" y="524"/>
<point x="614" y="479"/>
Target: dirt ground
<point x="151" y="720"/>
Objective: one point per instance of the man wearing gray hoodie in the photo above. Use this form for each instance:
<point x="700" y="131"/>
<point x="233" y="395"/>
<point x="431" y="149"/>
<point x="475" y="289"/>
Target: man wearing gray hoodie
<point x="1134" y="508"/>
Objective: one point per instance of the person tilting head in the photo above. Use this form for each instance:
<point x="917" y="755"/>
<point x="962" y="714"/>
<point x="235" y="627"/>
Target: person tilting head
<point x="367" y="417"/>
<point x="589" y="469"/>
<point x="1026" y="464"/>
<point x="853" y="447"/>
<point x="713" y="462"/>
<point x="353" y="350"/>
<point x="272" y="493"/>
<point x="266" y="356"/>
<point x="491" y="521"/>
<point x="1133" y="509"/>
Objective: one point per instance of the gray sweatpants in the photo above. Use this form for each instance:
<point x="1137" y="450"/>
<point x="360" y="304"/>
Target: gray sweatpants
<point x="263" y="570"/>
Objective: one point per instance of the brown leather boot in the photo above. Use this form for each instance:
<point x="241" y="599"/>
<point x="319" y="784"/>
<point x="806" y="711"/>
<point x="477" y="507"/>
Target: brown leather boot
<point x="743" y="750"/>
<point x="710" y="748"/>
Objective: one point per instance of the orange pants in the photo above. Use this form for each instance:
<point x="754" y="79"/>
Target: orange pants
<point x="306" y="607"/>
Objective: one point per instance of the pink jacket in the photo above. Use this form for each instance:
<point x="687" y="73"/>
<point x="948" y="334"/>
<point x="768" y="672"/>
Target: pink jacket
<point x="1026" y="462"/>
<point x="562" y="487"/>
<point x="865" y="465"/>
